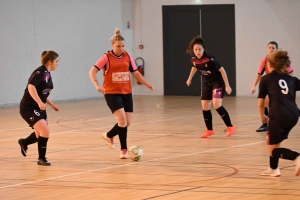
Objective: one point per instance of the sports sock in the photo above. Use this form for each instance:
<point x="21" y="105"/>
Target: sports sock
<point x="113" y="132"/>
<point x="30" y="139"/>
<point x="266" y="111"/>
<point x="123" y="137"/>
<point x="208" y="119"/>
<point x="42" y="146"/>
<point x="285" y="153"/>
<point x="225" y="116"/>
<point x="274" y="162"/>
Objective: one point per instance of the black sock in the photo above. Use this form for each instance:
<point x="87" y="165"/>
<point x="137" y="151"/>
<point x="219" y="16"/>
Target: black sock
<point x="274" y="162"/>
<point x="225" y="116"/>
<point x="266" y="111"/>
<point x="285" y="153"/>
<point x="30" y="139"/>
<point x="123" y="137"/>
<point x="42" y="147"/>
<point x="208" y="119"/>
<point x="265" y="124"/>
<point x="113" y="132"/>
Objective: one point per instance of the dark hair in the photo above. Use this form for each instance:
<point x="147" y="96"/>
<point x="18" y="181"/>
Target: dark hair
<point x="275" y="43"/>
<point x="117" y="36"/>
<point x="195" y="40"/>
<point x="279" y="60"/>
<point x="48" y="55"/>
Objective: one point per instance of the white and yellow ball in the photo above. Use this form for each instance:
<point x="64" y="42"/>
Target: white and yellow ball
<point x="135" y="153"/>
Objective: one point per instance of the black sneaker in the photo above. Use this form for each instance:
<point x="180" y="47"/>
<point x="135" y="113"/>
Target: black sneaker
<point x="262" y="128"/>
<point x="23" y="147"/>
<point x="43" y="161"/>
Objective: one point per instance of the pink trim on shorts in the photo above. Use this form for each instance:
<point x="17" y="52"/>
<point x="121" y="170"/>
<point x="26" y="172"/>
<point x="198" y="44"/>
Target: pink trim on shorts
<point x="217" y="93"/>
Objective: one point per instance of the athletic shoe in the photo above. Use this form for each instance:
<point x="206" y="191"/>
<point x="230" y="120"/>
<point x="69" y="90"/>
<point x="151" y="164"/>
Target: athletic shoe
<point x="23" y="147"/>
<point x="123" y="154"/>
<point x="207" y="133"/>
<point x="230" y="131"/>
<point x="109" y="141"/>
<point x="262" y="128"/>
<point x="271" y="172"/>
<point x="297" y="161"/>
<point x="43" y="161"/>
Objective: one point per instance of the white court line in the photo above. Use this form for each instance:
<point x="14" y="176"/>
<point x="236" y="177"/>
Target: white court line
<point x="133" y="163"/>
<point x="99" y="119"/>
<point x="93" y="128"/>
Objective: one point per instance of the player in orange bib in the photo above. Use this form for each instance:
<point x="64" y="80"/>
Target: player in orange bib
<point x="117" y="65"/>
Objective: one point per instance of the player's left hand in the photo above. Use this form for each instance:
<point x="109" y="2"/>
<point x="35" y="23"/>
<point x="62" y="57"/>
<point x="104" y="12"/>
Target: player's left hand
<point x="55" y="107"/>
<point x="228" y="89"/>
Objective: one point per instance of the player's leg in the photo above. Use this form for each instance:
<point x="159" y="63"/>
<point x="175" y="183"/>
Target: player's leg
<point x="31" y="117"/>
<point x="218" y="92"/>
<point x="264" y="126"/>
<point x="122" y="131"/>
<point x="42" y="130"/>
<point x="273" y="169"/>
<point x="114" y="102"/>
<point x="206" y="97"/>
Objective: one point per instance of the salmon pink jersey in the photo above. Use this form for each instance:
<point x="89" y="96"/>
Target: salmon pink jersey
<point x="263" y="67"/>
<point x="116" y="71"/>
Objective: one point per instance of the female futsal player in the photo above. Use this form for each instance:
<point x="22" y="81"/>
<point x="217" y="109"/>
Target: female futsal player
<point x="215" y="82"/>
<point x="116" y="66"/>
<point x="283" y="115"/>
<point x="272" y="47"/>
<point x="33" y="108"/>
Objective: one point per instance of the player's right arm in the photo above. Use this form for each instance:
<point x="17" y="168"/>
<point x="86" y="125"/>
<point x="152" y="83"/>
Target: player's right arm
<point x="33" y="93"/>
<point x="261" y="101"/>
<point x="93" y="76"/>
<point x="103" y="61"/>
<point x="256" y="80"/>
<point x="192" y="73"/>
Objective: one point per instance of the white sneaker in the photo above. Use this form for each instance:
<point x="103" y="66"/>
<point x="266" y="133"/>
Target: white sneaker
<point x="297" y="162"/>
<point x="109" y="141"/>
<point x="123" y="154"/>
<point x="271" y="172"/>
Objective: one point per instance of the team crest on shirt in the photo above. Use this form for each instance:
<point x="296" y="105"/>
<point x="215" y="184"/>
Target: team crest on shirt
<point x="120" y="76"/>
<point x="37" y="72"/>
<point x="205" y="73"/>
<point x="212" y="59"/>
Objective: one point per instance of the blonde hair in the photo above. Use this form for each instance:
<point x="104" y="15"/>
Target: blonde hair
<point x="279" y="60"/>
<point x="117" y="36"/>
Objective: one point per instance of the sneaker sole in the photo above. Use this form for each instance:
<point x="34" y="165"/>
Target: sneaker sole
<point x="43" y="164"/>
<point x="270" y="175"/>
<point x="22" y="149"/>
<point x="261" y="130"/>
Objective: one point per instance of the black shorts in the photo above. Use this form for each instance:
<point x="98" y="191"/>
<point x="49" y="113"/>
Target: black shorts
<point x="212" y="90"/>
<point x="31" y="116"/>
<point x="279" y="130"/>
<point x="117" y="101"/>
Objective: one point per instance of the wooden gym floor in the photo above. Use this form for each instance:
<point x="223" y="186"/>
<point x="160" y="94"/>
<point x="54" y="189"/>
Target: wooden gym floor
<point x="177" y="164"/>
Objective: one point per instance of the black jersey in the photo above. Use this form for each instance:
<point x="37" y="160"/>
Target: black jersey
<point x="281" y="89"/>
<point x="41" y="79"/>
<point x="208" y="67"/>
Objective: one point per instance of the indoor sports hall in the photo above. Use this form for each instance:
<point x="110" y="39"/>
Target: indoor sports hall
<point x="166" y="123"/>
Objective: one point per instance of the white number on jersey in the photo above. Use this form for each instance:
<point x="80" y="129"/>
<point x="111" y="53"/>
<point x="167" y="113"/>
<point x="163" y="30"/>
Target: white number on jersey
<point x="284" y="86"/>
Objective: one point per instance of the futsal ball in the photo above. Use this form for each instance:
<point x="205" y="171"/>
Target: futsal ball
<point x="135" y="153"/>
